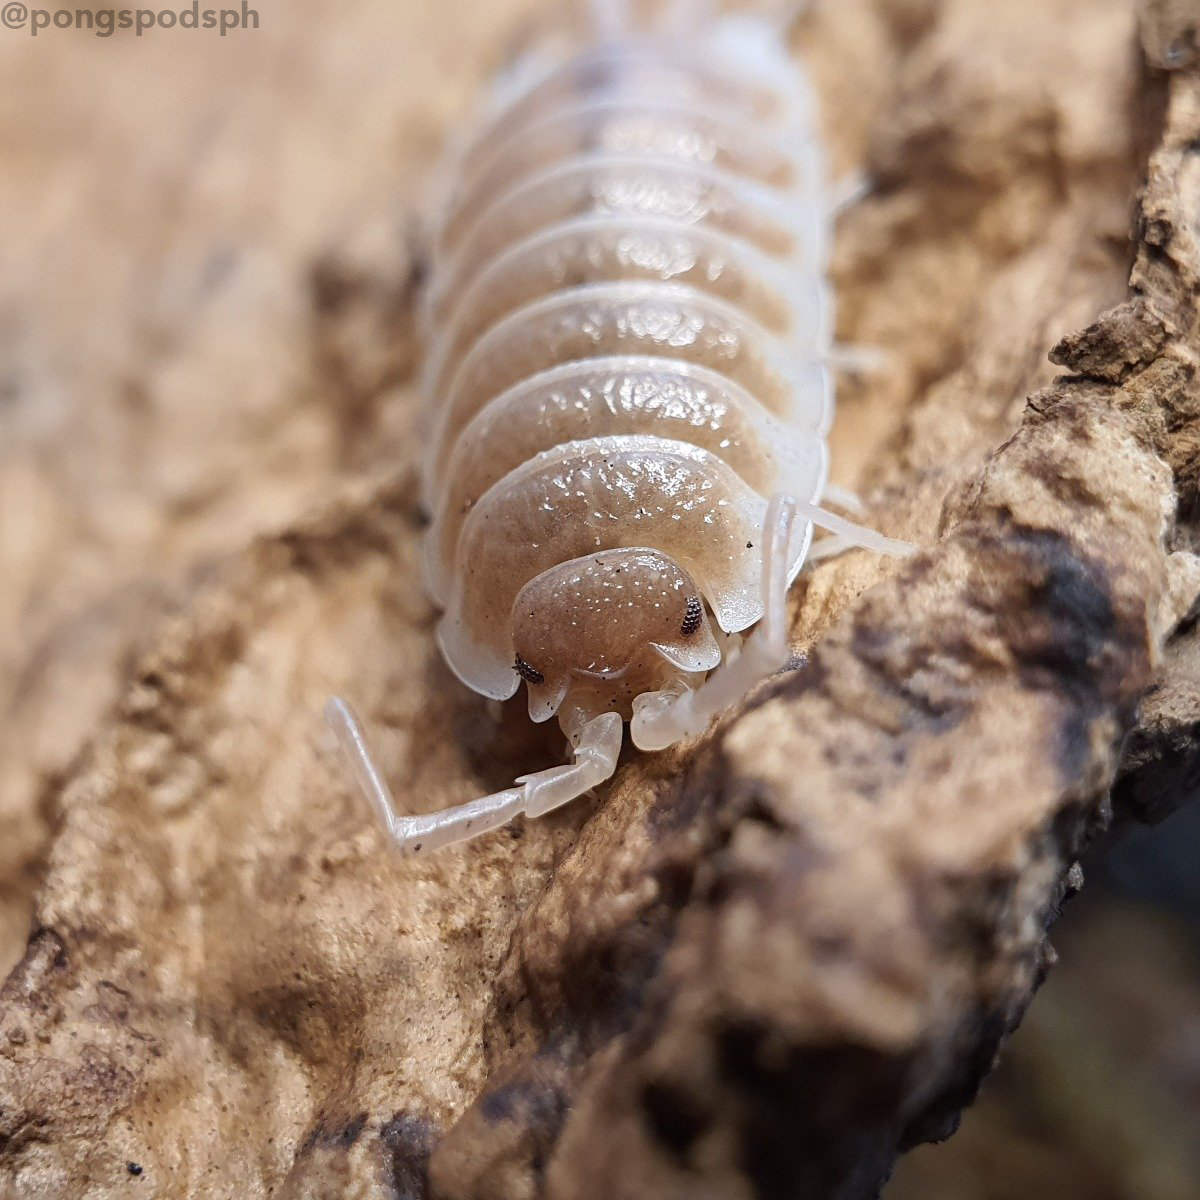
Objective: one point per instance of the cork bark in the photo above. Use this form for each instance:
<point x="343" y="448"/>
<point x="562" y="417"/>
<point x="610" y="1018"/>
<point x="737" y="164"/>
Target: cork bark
<point x="762" y="964"/>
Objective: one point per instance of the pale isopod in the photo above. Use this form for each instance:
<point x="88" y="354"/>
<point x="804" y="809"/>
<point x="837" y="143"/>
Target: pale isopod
<point x="627" y="389"/>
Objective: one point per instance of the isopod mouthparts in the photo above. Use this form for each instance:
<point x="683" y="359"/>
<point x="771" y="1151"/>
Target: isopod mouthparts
<point x="627" y="396"/>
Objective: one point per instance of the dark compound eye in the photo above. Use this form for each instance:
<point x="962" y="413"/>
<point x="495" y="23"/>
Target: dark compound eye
<point x="692" y="616"/>
<point x="528" y="673"/>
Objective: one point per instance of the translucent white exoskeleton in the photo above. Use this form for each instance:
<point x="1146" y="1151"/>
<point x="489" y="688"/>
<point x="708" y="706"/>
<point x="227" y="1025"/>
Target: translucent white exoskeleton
<point x="627" y="387"/>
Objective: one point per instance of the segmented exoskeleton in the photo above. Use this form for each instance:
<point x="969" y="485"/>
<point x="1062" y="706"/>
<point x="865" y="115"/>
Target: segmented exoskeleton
<point x="628" y="391"/>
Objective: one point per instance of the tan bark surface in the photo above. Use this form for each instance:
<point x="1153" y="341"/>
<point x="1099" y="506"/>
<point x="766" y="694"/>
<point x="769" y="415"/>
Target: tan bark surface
<point x="757" y="966"/>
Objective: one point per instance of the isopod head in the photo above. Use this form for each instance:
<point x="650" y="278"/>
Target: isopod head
<point x="620" y="621"/>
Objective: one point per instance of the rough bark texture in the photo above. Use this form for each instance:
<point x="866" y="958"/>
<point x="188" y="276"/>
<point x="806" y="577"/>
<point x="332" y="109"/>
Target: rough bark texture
<point x="758" y="966"/>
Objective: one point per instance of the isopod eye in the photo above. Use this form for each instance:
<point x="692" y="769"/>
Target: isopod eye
<point x="693" y="615"/>
<point x="528" y="673"/>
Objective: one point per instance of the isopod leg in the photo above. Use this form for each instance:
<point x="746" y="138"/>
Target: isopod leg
<point x="848" y="191"/>
<point x="596" y="755"/>
<point x="845" y="499"/>
<point x="829" y="547"/>
<point x="858" y="360"/>
<point x="852" y="533"/>
<point x="662" y="718"/>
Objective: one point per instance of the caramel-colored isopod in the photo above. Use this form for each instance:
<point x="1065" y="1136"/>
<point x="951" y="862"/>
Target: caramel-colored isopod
<point x="627" y="396"/>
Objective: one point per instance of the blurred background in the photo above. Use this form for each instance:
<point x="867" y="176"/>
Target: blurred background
<point x="1097" y="1096"/>
<point x="211" y="252"/>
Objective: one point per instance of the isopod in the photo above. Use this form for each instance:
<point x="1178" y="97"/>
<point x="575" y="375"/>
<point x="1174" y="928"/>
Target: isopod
<point x="627" y="387"/>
